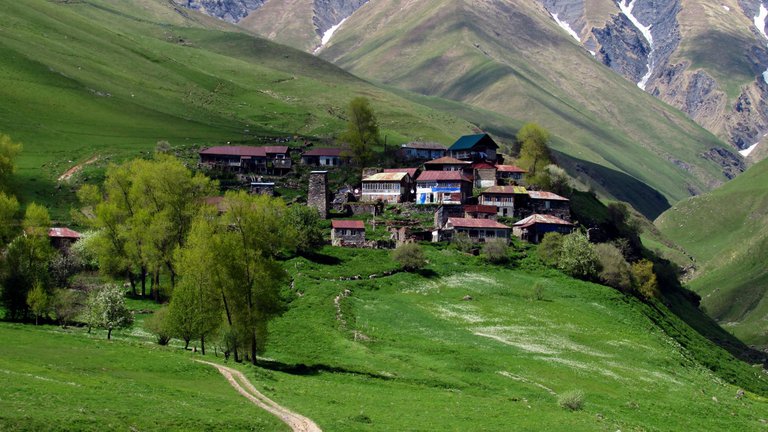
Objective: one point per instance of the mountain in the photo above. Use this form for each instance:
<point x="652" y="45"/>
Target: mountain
<point x="726" y="232"/>
<point x="510" y="58"/>
<point x="107" y="79"/>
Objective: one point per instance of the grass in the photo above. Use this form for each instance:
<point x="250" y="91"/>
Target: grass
<point x="729" y="243"/>
<point x="409" y="354"/>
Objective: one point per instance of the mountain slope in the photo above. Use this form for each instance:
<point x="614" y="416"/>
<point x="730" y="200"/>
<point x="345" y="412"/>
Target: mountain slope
<point x="726" y="231"/>
<point x="109" y="78"/>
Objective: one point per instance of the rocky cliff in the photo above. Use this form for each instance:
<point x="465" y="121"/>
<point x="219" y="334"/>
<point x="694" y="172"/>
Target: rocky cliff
<point x="228" y="10"/>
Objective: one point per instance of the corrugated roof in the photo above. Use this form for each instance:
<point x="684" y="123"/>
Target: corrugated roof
<point x="447" y="160"/>
<point x="483" y="165"/>
<point x="541" y="195"/>
<point x="477" y="208"/>
<point x="248" y="151"/>
<point x="510" y="168"/>
<point x="347" y="224"/>
<point x="442" y="176"/>
<point x="63" y="232"/>
<point x="475" y="223"/>
<point x="421" y="145"/>
<point x="386" y="176"/>
<point x="541" y="219"/>
<point x="411" y="171"/>
<point x="333" y="152"/>
<point x="507" y="190"/>
<point x="469" y="141"/>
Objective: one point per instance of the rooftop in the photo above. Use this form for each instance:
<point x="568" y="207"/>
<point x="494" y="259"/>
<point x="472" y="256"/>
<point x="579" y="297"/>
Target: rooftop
<point x="63" y="233"/>
<point x="475" y="223"/>
<point x="442" y="176"/>
<point x="243" y="150"/>
<point x="387" y="176"/>
<point x="447" y="160"/>
<point x="510" y="168"/>
<point x="541" y="219"/>
<point x="541" y="195"/>
<point x="334" y="152"/>
<point x="506" y="190"/>
<point x="421" y="145"/>
<point x="347" y="224"/>
<point x="411" y="171"/>
<point x="470" y="141"/>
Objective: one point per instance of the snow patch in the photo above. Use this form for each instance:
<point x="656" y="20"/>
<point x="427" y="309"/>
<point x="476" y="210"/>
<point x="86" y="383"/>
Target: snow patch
<point x="566" y="27"/>
<point x="328" y="35"/>
<point x="626" y="7"/>
<point x="747" y="151"/>
<point x="727" y="9"/>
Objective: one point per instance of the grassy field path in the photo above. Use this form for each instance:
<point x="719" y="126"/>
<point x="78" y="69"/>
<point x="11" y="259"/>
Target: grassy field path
<point x="297" y="422"/>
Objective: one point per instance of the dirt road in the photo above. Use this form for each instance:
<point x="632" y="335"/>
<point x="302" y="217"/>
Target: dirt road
<point x="297" y="422"/>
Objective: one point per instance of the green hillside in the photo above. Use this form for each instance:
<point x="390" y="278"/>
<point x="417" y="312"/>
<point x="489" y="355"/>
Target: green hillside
<point x="402" y="352"/>
<point x="108" y="79"/>
<point x="726" y="231"/>
<point x="513" y="60"/>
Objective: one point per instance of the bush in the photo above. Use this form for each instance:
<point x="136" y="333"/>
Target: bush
<point x="409" y="256"/>
<point x="644" y="279"/>
<point x="615" y="271"/>
<point x="571" y="400"/>
<point x="158" y="325"/>
<point x="578" y="257"/>
<point x="538" y="290"/>
<point x="496" y="251"/>
<point x="66" y="305"/>
<point x="550" y="247"/>
<point x="463" y="243"/>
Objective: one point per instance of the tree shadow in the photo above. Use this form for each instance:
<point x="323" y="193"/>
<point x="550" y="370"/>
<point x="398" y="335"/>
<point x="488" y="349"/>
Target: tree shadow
<point x="319" y="258"/>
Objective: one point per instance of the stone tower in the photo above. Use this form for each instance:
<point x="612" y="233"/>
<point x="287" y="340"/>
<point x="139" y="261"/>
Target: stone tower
<point x="318" y="192"/>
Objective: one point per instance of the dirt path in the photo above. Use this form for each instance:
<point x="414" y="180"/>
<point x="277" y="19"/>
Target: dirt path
<point x="72" y="171"/>
<point x="297" y="422"/>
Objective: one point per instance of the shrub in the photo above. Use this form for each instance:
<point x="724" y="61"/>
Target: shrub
<point x="550" y="247"/>
<point x="496" y="251"/>
<point x="66" y="305"/>
<point x="463" y="243"/>
<point x="538" y="291"/>
<point x="578" y="257"/>
<point x="409" y="256"/>
<point x="644" y="279"/>
<point x="158" y="325"/>
<point x="615" y="271"/>
<point x="571" y="400"/>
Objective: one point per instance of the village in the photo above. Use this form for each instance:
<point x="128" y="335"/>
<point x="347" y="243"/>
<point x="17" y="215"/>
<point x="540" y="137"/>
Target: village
<point x="464" y="191"/>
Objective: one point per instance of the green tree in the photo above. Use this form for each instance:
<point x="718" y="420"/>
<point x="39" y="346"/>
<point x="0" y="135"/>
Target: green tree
<point x="9" y="150"/>
<point x="409" y="256"/>
<point x="614" y="269"/>
<point x="534" y="151"/>
<point x="644" y="279"/>
<point x="362" y="132"/>
<point x="159" y="325"/>
<point x="550" y="248"/>
<point x="66" y="305"/>
<point x="9" y="209"/>
<point x="107" y="309"/>
<point x="578" y="257"/>
<point x="306" y="221"/>
<point x="36" y="221"/>
<point x="38" y="301"/>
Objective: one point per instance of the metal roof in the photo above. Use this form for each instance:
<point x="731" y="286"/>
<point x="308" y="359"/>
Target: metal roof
<point x="483" y="165"/>
<point x="411" y="171"/>
<point x="333" y="152"/>
<point x="421" y="145"/>
<point x="470" y="141"/>
<point x="475" y="223"/>
<point x="442" y="176"/>
<point x="541" y="195"/>
<point x="64" y="233"/>
<point x="447" y="160"/>
<point x="510" y="168"/>
<point x="386" y="176"/>
<point x="248" y="151"/>
<point x="541" y="219"/>
<point x="506" y="190"/>
<point x="347" y="224"/>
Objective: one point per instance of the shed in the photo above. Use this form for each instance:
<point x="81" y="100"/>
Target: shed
<point x="63" y="238"/>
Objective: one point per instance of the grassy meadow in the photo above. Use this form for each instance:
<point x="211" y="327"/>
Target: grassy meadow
<point x="401" y="352"/>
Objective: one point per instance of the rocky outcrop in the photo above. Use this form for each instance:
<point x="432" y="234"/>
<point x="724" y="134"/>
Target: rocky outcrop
<point x="732" y="164"/>
<point x="623" y="48"/>
<point x="328" y="13"/>
<point x="228" y="10"/>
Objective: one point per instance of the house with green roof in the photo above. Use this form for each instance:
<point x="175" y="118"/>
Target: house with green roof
<point x="480" y="147"/>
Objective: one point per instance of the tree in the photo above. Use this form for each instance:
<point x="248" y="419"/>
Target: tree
<point x="107" y="309"/>
<point x="615" y="271"/>
<point x="306" y="221"/>
<point x="578" y="257"/>
<point x="9" y="150"/>
<point x="496" y="251"/>
<point x="38" y="301"/>
<point x="410" y="256"/>
<point x="159" y="325"/>
<point x="9" y="208"/>
<point x="644" y="279"/>
<point x="550" y="248"/>
<point x="36" y="221"/>
<point x="362" y="132"/>
<point x="66" y="305"/>
<point x="534" y="153"/>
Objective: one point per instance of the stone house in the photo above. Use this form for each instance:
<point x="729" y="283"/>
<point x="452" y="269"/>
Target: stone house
<point x="480" y="147"/>
<point x="483" y="174"/>
<point x="442" y="187"/>
<point x="478" y="230"/>
<point x="324" y="157"/>
<point x="534" y="227"/>
<point x="549" y="203"/>
<point x="421" y="151"/>
<point x="507" y="199"/>
<point x="348" y="233"/>
<point x="388" y="187"/>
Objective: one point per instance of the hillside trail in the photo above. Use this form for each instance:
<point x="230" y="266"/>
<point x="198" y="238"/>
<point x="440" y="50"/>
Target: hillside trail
<point x="297" y="422"/>
<point x="75" y="169"/>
